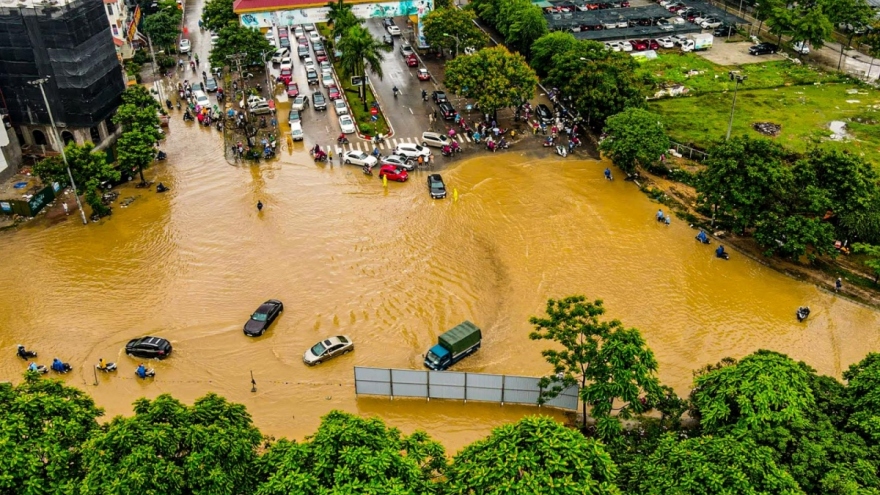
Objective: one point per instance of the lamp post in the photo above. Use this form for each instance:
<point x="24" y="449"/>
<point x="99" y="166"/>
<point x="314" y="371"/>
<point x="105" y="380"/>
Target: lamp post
<point x="40" y="82"/>
<point x="734" y="76"/>
<point x="456" y="42"/>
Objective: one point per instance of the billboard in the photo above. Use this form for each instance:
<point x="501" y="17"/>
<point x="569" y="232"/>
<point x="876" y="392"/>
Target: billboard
<point x="418" y="8"/>
<point x="135" y="20"/>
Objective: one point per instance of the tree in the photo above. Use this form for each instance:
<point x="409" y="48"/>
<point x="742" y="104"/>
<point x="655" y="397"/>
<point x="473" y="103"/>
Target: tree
<point x="602" y="358"/>
<point x="547" y="46"/>
<point x="522" y="23"/>
<point x="863" y="390"/>
<point x="873" y="257"/>
<point x="135" y="148"/>
<point x="487" y="10"/>
<point x="163" y="27"/>
<point x="171" y="449"/>
<point x="781" y="21"/>
<point x="89" y="169"/>
<point x="601" y="82"/>
<point x="812" y="26"/>
<point x="713" y="465"/>
<point x="359" y="52"/>
<point x="441" y="28"/>
<point x="350" y="454"/>
<point x="635" y="137"/>
<point x="140" y="123"/>
<point x="854" y="14"/>
<point x="535" y="455"/>
<point x="766" y="395"/>
<point x="235" y="39"/>
<point x="42" y="429"/>
<point x="494" y="77"/>
<point x="217" y="14"/>
<point x="341" y="17"/>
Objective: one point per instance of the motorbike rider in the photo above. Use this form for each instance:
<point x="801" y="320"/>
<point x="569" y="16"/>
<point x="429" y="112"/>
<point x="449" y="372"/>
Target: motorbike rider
<point x="702" y="237"/>
<point x="720" y="252"/>
<point x="660" y="215"/>
<point x="33" y="367"/>
<point x="608" y="177"/>
<point x="395" y="90"/>
<point x="24" y="353"/>
<point x="341" y="138"/>
<point x="424" y="95"/>
<point x="375" y="152"/>
<point x="102" y="365"/>
<point x="446" y="150"/>
<point x="455" y="146"/>
<point x="367" y="170"/>
<point x="58" y="366"/>
<point x="141" y="371"/>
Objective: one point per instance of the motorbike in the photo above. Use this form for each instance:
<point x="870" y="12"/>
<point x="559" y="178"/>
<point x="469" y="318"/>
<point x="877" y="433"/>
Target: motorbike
<point x="149" y="373"/>
<point x="721" y="253"/>
<point x="24" y="353"/>
<point x="64" y="366"/>
<point x="455" y="147"/>
<point x="320" y="156"/>
<point x="178" y="104"/>
<point x="161" y="188"/>
<point x="342" y="139"/>
<point x="378" y="139"/>
<point x="187" y="117"/>
<point x="548" y="143"/>
<point x="561" y="151"/>
<point x="40" y="369"/>
<point x="367" y="170"/>
<point x="502" y="145"/>
<point x="396" y="91"/>
<point x="161" y="155"/>
<point x="446" y="150"/>
<point x="109" y="368"/>
<point x="424" y="95"/>
<point x="704" y="239"/>
<point x="802" y="313"/>
<point x="608" y="174"/>
<point x="491" y="146"/>
<point x="168" y="104"/>
<point x="268" y="153"/>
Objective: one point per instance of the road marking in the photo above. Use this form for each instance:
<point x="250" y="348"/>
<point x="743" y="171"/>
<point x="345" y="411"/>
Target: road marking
<point x="410" y="111"/>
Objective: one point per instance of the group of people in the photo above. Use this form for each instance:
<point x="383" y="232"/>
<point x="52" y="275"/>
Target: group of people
<point x="60" y="366"/>
<point x="719" y="251"/>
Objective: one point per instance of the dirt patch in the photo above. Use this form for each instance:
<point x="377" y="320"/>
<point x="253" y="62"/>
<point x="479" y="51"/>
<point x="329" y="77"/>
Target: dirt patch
<point x="767" y="128"/>
<point x="735" y="53"/>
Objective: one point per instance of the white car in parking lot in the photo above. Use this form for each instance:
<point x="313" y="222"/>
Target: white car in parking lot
<point x="340" y="107"/>
<point x="678" y="39"/>
<point x="280" y="55"/>
<point x="326" y="68"/>
<point x="411" y="150"/>
<point x="327" y="80"/>
<point x="614" y="46"/>
<point x="185" y="46"/>
<point x="296" y="131"/>
<point x="346" y="124"/>
<point x="308" y="63"/>
<point x="286" y="63"/>
<point x="626" y="46"/>
<point x="393" y="30"/>
<point x="314" y="37"/>
<point x="665" y="42"/>
<point x="356" y="157"/>
<point x="435" y="139"/>
<point x="298" y="32"/>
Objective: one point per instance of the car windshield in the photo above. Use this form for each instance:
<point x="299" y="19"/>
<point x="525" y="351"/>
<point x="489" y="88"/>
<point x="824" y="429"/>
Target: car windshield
<point x="318" y="349"/>
<point x="259" y="316"/>
<point x="432" y="358"/>
<point x="436" y="184"/>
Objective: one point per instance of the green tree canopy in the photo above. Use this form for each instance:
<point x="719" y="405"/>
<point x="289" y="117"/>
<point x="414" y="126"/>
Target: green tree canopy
<point x="167" y="448"/>
<point x="635" y="137"/>
<point x="361" y="51"/>
<point x="536" y="456"/>
<point x="494" y="77"/>
<point x="89" y="169"/>
<point x="42" y="430"/>
<point x="140" y="123"/>
<point x="163" y="27"/>
<point x="863" y="379"/>
<point x="442" y="26"/>
<point x="352" y="455"/>
<point x="235" y="39"/>
<point x="521" y="22"/>
<point x="217" y="14"/>
<point x="547" y="46"/>
<point x="341" y="17"/>
<point x="713" y="466"/>
<point x="604" y="359"/>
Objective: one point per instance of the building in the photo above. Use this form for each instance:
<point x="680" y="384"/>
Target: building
<point x="69" y="43"/>
<point x="119" y="16"/>
<point x="264" y="13"/>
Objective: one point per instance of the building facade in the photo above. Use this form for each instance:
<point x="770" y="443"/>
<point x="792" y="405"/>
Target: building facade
<point x="119" y="16"/>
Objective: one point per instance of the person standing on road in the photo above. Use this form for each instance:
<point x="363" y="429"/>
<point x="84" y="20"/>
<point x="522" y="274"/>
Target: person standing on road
<point x="330" y="155"/>
<point x="838" y="284"/>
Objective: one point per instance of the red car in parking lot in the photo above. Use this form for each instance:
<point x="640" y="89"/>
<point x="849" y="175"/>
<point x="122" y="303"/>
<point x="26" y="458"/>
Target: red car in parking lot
<point x="412" y="60"/>
<point x="286" y="76"/>
<point x="652" y="44"/>
<point x="292" y="89"/>
<point x="639" y="45"/>
<point x="393" y="173"/>
<point x="333" y="93"/>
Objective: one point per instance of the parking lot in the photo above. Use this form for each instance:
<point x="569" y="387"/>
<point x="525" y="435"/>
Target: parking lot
<point x="735" y="53"/>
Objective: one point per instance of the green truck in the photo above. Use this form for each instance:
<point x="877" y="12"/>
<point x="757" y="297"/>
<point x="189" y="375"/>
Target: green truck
<point x="454" y="345"/>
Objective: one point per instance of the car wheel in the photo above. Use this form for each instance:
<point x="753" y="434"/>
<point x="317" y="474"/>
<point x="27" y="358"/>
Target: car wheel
<point x="262" y="332"/>
<point x="348" y="162"/>
<point x="317" y="362"/>
<point x="347" y="351"/>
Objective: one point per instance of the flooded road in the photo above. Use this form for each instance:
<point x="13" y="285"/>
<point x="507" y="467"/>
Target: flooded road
<point x="392" y="269"/>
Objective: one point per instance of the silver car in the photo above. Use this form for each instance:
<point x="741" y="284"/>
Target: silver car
<point x="328" y="349"/>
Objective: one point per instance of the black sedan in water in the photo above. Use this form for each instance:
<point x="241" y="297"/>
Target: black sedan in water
<point x="148" y="347"/>
<point x="263" y="317"/>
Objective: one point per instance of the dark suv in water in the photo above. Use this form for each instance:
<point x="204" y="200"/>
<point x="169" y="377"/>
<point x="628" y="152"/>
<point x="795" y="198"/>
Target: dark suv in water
<point x="544" y="114"/>
<point x="148" y="347"/>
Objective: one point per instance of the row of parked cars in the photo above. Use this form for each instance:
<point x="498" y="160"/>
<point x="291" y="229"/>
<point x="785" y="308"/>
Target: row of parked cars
<point x="586" y="6"/>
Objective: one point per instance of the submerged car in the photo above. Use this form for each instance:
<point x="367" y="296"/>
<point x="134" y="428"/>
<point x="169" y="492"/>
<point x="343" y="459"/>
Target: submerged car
<point x="436" y="186"/>
<point x="263" y="317"/>
<point x="148" y="347"/>
<point x="399" y="161"/>
<point x="357" y="157"/>
<point x="393" y="173"/>
<point x="328" y="349"/>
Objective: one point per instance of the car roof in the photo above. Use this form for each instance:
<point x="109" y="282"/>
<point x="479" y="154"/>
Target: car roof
<point x="435" y="177"/>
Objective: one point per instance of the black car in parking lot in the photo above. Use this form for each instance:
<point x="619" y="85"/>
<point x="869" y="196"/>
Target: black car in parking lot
<point x="320" y="103"/>
<point x="446" y="110"/>
<point x="724" y="30"/>
<point x="763" y="49"/>
<point x="438" y="96"/>
<point x="544" y="114"/>
<point x="263" y="317"/>
<point x="148" y="347"/>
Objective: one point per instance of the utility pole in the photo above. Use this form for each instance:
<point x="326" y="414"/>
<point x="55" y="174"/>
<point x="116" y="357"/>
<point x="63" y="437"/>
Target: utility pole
<point x="40" y="82"/>
<point x="456" y="42"/>
<point x="236" y="59"/>
<point x="153" y="55"/>
<point x="734" y="76"/>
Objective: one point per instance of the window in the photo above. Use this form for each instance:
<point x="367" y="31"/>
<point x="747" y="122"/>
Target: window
<point x="109" y="9"/>
<point x="67" y="137"/>
<point x="39" y="137"/>
<point x="115" y="30"/>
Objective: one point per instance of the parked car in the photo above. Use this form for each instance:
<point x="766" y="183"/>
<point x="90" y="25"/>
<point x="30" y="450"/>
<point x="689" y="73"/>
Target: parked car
<point x="211" y="84"/>
<point x="357" y="157"/>
<point x="423" y="74"/>
<point x="148" y="347"/>
<point x="763" y="49"/>
<point x="296" y="131"/>
<point x="678" y="39"/>
<point x="185" y="45"/>
<point x="263" y="317"/>
<point x="346" y="124"/>
<point x="302" y="51"/>
<point x="286" y="63"/>
<point x="724" y="30"/>
<point x="544" y="114"/>
<point x="639" y="45"/>
<point x="294" y="117"/>
<point x="285" y="76"/>
<point x="328" y="349"/>
<point x="314" y="36"/>
<point x="280" y="54"/>
<point x="411" y="150"/>
<point x="320" y="55"/>
<point x="412" y="60"/>
<point x="300" y="103"/>
<point x="283" y="32"/>
<point x="406" y="50"/>
<point x="387" y="22"/>
<point x="436" y="186"/>
<point x="665" y="42"/>
<point x="801" y="47"/>
<point x="398" y="161"/>
<point x="333" y="93"/>
<point x="327" y="80"/>
<point x="710" y="23"/>
<point x="311" y="76"/>
<point x="252" y="100"/>
<point x="613" y="46"/>
<point x="284" y="42"/>
<point x="625" y="46"/>
<point x="435" y="139"/>
<point x="393" y="173"/>
<point x="393" y="30"/>
<point x="665" y="25"/>
<point x="292" y="89"/>
<point x="214" y="39"/>
<point x="340" y="107"/>
<point x="309" y="64"/>
<point x="201" y="99"/>
<point x="438" y="96"/>
<point x="325" y="67"/>
<point x="652" y="44"/>
<point x="298" y="32"/>
<point x="319" y="101"/>
<point x="309" y="28"/>
<point x="447" y="110"/>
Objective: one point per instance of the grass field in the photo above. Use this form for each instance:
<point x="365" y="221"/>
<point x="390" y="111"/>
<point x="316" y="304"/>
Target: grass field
<point x="804" y="101"/>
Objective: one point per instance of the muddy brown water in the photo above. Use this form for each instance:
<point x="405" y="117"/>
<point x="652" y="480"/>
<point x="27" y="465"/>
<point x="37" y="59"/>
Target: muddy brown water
<point x="392" y="269"/>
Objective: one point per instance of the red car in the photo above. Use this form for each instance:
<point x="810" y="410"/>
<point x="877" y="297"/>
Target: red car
<point x="412" y="60"/>
<point x="286" y="76"/>
<point x="282" y="32"/>
<point x="333" y="93"/>
<point x="653" y="45"/>
<point x="393" y="173"/>
<point x="423" y="74"/>
<point x="292" y="89"/>
<point x="638" y="45"/>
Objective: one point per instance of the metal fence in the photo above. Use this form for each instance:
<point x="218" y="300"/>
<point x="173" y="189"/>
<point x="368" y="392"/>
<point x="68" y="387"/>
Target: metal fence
<point x="457" y="385"/>
<point x="687" y="151"/>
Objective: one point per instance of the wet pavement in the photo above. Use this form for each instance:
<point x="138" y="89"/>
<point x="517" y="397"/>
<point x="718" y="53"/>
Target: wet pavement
<point x="391" y="268"/>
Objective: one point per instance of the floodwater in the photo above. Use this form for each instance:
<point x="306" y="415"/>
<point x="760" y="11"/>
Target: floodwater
<point x="392" y="269"/>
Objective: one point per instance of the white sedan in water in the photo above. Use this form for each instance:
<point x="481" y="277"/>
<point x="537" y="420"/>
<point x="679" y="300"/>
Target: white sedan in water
<point x="346" y="124"/>
<point x="355" y="157"/>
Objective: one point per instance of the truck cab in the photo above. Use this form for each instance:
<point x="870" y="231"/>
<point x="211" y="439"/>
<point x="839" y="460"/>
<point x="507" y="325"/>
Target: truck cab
<point x="438" y="358"/>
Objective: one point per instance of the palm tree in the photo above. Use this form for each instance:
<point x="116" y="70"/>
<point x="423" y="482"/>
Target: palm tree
<point x="340" y="16"/>
<point x="359" y="51"/>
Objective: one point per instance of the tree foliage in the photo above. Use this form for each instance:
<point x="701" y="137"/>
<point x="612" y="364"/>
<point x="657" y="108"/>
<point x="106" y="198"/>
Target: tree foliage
<point x="494" y="77"/>
<point x="167" y="448"/>
<point x="441" y="27"/>
<point x="520" y="21"/>
<point x="140" y="129"/>
<point x="349" y="454"/>
<point x="43" y="427"/>
<point x="236" y="39"/>
<point x="634" y="137"/>
<point x="163" y="27"/>
<point x="605" y="360"/>
<point x="89" y="169"/>
<point x="547" y="46"/>
<point x="341" y="17"/>
<point x="360" y="51"/>
<point x="863" y="379"/>
<point x="217" y="14"/>
<point x="536" y="456"/>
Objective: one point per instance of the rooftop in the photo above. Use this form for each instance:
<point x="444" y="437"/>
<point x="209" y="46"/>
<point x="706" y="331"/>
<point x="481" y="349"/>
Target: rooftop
<point x="13" y="4"/>
<point x="239" y="6"/>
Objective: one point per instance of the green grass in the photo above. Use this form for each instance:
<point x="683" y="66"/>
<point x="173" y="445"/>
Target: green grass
<point x="801" y="99"/>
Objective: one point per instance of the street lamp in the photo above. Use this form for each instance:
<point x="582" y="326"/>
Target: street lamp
<point x="40" y="82"/>
<point x="734" y="76"/>
<point x="456" y="42"/>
